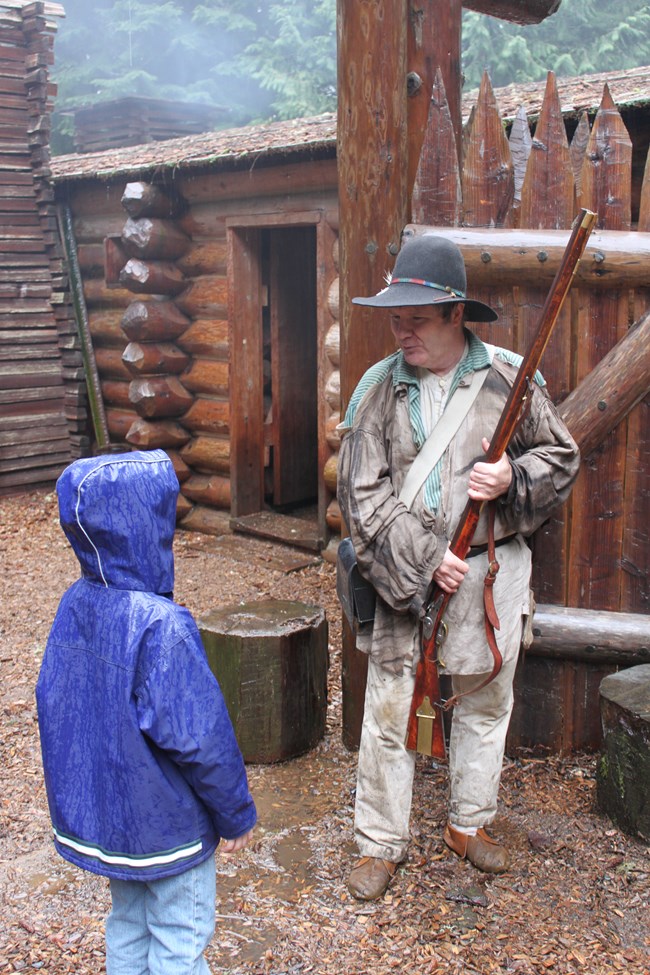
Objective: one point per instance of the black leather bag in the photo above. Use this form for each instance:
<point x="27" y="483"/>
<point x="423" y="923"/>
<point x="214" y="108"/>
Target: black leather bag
<point x="356" y="594"/>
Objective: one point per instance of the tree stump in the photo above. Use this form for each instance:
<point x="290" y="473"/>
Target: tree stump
<point x="271" y="659"/>
<point x="623" y="775"/>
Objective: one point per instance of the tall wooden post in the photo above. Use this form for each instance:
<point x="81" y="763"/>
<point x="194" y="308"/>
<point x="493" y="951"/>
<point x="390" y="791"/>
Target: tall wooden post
<point x="388" y="53"/>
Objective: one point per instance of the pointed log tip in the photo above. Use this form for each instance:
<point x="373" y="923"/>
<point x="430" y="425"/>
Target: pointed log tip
<point x="607" y="103"/>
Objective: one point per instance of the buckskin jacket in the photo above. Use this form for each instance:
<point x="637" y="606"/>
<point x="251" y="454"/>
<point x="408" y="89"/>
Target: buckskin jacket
<point x="142" y="769"/>
<point x="398" y="550"/>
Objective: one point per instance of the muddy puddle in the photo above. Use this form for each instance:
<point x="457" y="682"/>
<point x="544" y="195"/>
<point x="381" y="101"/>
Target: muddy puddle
<point x="287" y="861"/>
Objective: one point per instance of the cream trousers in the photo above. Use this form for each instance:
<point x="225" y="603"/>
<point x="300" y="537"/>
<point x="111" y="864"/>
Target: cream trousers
<point x="385" y="773"/>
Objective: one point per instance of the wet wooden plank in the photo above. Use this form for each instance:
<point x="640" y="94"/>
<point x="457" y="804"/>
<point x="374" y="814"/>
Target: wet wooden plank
<point x="547" y="203"/>
<point x="437" y="196"/>
<point x="635" y="561"/>
<point x="280" y="528"/>
<point x="488" y="187"/>
<point x="596" y="545"/>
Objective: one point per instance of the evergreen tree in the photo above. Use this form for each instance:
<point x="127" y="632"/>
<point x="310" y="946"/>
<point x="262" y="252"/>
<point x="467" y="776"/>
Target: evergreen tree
<point x="583" y="37"/>
<point x="264" y="59"/>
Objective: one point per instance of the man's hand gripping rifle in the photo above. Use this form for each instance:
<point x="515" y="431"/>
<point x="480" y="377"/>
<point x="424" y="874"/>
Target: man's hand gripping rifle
<point x="425" y="731"/>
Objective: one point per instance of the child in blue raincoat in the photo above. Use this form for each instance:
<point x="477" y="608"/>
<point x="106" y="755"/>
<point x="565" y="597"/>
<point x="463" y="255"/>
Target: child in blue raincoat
<point x="144" y="776"/>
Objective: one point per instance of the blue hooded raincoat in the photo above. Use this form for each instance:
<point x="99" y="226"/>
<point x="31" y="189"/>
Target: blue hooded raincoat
<point x="142" y="769"/>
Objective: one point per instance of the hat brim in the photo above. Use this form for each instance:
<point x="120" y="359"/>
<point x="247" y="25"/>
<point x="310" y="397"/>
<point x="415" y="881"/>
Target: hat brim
<point x="401" y="295"/>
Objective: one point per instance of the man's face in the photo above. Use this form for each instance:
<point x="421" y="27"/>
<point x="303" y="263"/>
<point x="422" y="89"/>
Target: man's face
<point x="423" y="334"/>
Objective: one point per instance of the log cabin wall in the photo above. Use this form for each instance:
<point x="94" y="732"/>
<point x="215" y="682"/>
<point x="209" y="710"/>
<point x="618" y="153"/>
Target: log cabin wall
<point x="159" y="286"/>
<point x="42" y="388"/>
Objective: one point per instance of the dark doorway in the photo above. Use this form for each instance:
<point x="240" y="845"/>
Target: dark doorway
<point x="289" y="367"/>
<point x="273" y="380"/>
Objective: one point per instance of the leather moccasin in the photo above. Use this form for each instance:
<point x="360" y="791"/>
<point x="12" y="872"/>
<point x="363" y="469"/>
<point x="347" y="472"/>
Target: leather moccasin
<point x="370" y="877"/>
<point x="481" y="850"/>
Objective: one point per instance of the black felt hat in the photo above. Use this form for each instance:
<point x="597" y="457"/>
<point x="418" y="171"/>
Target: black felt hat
<point x="429" y="270"/>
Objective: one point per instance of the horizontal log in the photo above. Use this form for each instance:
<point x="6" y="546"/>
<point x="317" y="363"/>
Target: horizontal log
<point x="106" y="327"/>
<point x="150" y="238"/>
<point x="515" y="11"/>
<point x="208" y="415"/>
<point x="159" y="396"/>
<point x="96" y="293"/>
<point x="93" y="228"/>
<point x="333" y="299"/>
<point x="608" y="393"/>
<point x="211" y="490"/>
<point x="181" y="469"/>
<point x="152" y="277"/>
<point x="333" y="389"/>
<point x="332" y="434"/>
<point x="143" y="199"/>
<point x="91" y="259"/>
<point x="208" y="454"/>
<point x="151" y="358"/>
<point x="207" y="337"/>
<point x="162" y="433"/>
<point x="119" y="422"/>
<point x="333" y="517"/>
<point x="154" y="320"/>
<point x="590" y="635"/>
<point x="109" y="364"/>
<point x="612" y="258"/>
<point x="117" y="394"/>
<point x="271" y="186"/>
<point x="207" y="376"/>
<point x="333" y="344"/>
<point x="208" y="521"/>
<point x="183" y="507"/>
<point x="205" y="297"/>
<point x="204" y="257"/>
<point x="329" y="473"/>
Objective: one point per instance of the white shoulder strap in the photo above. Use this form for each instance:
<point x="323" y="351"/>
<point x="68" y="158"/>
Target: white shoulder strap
<point x="443" y="433"/>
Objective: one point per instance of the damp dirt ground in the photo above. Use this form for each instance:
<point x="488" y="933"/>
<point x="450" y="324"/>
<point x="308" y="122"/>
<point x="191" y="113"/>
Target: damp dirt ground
<point x="576" y="901"/>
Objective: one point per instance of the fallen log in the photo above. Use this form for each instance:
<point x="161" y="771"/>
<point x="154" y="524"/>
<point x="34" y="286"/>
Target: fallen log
<point x="608" y="393"/>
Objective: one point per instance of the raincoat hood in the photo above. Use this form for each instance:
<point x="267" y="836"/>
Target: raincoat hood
<point x="119" y="513"/>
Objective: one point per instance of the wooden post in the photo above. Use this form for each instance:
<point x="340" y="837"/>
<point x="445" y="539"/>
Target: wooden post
<point x="372" y="154"/>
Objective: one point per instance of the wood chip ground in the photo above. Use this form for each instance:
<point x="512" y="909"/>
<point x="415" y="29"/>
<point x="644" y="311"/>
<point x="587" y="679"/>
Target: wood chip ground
<point x="575" y="902"/>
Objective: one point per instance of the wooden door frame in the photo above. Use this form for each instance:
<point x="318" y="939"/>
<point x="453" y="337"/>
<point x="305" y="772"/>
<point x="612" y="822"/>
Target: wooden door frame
<point x="244" y="235"/>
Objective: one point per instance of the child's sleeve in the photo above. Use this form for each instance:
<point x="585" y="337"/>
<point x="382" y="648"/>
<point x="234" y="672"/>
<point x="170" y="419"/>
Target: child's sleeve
<point x="182" y="710"/>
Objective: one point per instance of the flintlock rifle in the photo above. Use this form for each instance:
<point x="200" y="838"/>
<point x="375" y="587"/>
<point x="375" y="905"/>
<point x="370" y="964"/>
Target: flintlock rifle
<point x="425" y="731"/>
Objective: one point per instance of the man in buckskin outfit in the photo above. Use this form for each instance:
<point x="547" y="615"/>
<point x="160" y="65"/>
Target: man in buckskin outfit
<point x="400" y="550"/>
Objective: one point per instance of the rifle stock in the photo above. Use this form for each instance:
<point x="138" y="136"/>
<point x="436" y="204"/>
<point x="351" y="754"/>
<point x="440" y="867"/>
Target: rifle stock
<point x="425" y="732"/>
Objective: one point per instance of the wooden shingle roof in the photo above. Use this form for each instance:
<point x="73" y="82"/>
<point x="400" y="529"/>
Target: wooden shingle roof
<point x="305" y="137"/>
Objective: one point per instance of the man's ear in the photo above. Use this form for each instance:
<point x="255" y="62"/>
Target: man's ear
<point x="457" y="315"/>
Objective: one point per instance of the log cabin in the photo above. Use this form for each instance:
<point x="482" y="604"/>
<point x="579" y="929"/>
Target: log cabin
<point x="205" y="310"/>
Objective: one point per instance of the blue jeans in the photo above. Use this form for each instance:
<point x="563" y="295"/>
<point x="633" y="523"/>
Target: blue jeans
<point x="162" y="927"/>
